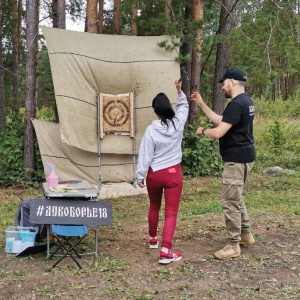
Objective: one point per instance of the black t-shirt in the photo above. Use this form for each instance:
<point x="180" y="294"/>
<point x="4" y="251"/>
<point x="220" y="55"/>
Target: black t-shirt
<point x="237" y="145"/>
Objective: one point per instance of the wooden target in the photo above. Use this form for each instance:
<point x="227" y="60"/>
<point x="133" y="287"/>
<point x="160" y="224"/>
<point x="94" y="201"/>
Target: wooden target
<point x="116" y="114"/>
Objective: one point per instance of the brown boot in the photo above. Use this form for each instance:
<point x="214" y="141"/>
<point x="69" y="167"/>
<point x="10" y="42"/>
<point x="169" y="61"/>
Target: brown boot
<point x="247" y="239"/>
<point x="228" y="251"/>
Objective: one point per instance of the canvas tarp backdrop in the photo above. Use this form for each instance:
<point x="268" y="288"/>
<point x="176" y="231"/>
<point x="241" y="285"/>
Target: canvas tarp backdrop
<point x="84" y="63"/>
<point x="72" y="163"/>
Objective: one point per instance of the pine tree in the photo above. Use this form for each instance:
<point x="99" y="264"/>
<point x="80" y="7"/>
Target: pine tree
<point x="2" y="89"/>
<point x="30" y="95"/>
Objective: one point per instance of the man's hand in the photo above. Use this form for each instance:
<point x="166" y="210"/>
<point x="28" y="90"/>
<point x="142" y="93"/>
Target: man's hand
<point x="198" y="98"/>
<point x="199" y="131"/>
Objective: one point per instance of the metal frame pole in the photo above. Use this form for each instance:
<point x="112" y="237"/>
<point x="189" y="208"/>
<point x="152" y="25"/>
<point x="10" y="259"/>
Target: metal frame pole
<point x="134" y="141"/>
<point x="98" y="137"/>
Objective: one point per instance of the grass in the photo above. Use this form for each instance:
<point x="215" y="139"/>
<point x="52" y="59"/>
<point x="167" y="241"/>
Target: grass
<point x="273" y="202"/>
<point x="265" y="195"/>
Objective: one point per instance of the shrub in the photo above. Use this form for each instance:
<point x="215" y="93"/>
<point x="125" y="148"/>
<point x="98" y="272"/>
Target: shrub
<point x="11" y="154"/>
<point x="277" y="142"/>
<point x="277" y="132"/>
<point x="277" y="109"/>
<point x="200" y="156"/>
<point x="46" y="113"/>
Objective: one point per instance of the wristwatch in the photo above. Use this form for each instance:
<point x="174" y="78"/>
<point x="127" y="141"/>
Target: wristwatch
<point x="203" y="129"/>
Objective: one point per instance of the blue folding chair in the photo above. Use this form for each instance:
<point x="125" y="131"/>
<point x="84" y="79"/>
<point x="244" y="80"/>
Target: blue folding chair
<point x="63" y="235"/>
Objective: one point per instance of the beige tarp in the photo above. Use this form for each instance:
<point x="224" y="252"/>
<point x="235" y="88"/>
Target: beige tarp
<point x="84" y="63"/>
<point x="72" y="163"/>
<point x="81" y="65"/>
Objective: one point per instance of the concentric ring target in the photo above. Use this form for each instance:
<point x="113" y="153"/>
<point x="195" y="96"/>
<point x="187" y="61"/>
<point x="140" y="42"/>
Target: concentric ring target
<point x="115" y="113"/>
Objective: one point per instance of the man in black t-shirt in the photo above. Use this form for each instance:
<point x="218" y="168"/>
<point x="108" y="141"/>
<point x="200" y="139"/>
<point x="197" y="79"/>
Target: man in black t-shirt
<point x="235" y="133"/>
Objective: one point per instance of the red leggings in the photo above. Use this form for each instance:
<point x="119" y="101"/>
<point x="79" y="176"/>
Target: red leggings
<point x="168" y="181"/>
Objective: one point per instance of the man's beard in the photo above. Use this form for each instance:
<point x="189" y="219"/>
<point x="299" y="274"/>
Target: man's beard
<point x="227" y="94"/>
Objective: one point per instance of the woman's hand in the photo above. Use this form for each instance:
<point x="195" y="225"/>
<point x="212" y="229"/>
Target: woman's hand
<point x="178" y="84"/>
<point x="140" y="184"/>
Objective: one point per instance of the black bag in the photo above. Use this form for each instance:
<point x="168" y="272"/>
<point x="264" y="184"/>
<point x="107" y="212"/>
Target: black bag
<point x="22" y="219"/>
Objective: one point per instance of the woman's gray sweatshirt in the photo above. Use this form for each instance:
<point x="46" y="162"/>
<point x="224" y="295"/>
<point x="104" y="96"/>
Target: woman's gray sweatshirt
<point x="161" y="145"/>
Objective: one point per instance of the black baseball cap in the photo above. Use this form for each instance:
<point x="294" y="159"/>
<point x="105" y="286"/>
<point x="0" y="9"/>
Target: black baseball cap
<point x="234" y="73"/>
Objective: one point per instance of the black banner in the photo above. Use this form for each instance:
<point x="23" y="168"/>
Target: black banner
<point x="72" y="212"/>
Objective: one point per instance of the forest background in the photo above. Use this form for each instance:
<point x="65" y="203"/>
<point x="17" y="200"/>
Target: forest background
<point x="260" y="36"/>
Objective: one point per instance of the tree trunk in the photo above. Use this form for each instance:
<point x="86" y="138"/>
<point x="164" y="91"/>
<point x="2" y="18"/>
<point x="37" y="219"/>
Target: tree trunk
<point x="54" y="13"/>
<point x="61" y="14"/>
<point x="197" y="10"/>
<point x="2" y="90"/>
<point x="168" y="4"/>
<point x="37" y="52"/>
<point x="186" y="50"/>
<point x="100" y="16"/>
<point x="59" y="21"/>
<point x="92" y="16"/>
<point x="30" y="93"/>
<point x="20" y="12"/>
<point x="222" y="55"/>
<point x="117" y="17"/>
<point x="15" y="56"/>
<point x="134" y="12"/>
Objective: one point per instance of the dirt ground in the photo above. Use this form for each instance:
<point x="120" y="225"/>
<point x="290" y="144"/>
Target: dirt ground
<point x="127" y="269"/>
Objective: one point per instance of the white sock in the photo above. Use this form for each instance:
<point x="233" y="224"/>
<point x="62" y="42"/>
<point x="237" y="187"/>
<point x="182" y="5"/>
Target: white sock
<point x="164" y="249"/>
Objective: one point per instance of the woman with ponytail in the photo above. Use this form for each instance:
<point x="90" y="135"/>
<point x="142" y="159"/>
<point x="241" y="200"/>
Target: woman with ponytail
<point x="159" y="162"/>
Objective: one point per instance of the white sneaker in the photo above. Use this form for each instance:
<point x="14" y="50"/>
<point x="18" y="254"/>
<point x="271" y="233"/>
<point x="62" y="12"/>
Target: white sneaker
<point x="153" y="243"/>
<point x="166" y="258"/>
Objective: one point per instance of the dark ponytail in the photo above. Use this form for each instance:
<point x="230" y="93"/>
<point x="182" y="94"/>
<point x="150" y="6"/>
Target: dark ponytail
<point x="162" y="107"/>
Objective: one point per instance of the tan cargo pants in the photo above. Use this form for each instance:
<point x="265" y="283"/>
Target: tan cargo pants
<point x="234" y="209"/>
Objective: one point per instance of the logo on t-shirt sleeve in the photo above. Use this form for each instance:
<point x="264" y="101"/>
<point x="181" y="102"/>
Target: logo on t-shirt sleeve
<point x="251" y="110"/>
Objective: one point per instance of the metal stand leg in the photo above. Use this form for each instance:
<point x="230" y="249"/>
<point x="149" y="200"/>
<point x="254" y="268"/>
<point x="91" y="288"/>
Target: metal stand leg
<point x="48" y="240"/>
